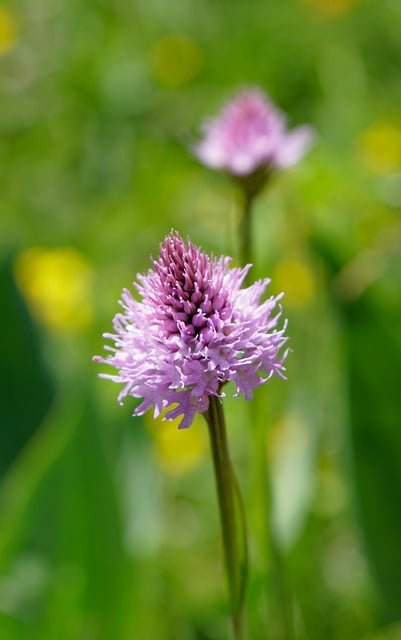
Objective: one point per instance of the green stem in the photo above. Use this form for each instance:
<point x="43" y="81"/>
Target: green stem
<point x="245" y="229"/>
<point x="228" y="493"/>
<point x="250" y="187"/>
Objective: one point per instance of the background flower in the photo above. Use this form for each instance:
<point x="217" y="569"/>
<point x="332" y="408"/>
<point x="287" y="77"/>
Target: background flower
<point x="193" y="331"/>
<point x="251" y="133"/>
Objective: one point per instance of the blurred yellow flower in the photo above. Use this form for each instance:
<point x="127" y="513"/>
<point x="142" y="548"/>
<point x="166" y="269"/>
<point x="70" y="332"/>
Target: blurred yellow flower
<point x="178" y="450"/>
<point x="331" y="8"/>
<point x="297" y="280"/>
<point x="8" y="29"/>
<point x="380" y="147"/>
<point x="176" y="60"/>
<point x="57" y="286"/>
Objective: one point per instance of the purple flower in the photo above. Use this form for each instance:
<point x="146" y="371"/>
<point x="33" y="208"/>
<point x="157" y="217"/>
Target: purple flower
<point x="193" y="330"/>
<point x="250" y="134"/>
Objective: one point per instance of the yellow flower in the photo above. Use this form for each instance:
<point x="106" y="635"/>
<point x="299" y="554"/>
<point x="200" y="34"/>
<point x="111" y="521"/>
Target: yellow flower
<point x="9" y="30"/>
<point x="56" y="284"/>
<point x="330" y="8"/>
<point x="297" y="280"/>
<point x="178" y="450"/>
<point x="380" y="147"/>
<point x="176" y="60"/>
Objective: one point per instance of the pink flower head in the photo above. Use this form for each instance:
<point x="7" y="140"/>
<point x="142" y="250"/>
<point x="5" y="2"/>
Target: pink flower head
<point x="250" y="134"/>
<point x="193" y="329"/>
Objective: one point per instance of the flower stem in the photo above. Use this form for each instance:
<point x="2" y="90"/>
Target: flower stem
<point x="245" y="229"/>
<point x="231" y="510"/>
<point x="250" y="187"/>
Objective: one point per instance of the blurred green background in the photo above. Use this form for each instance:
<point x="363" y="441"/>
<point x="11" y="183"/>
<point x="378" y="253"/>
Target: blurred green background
<point x="108" y="523"/>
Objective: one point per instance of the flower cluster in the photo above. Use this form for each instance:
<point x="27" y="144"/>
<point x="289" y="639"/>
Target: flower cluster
<point x="193" y="330"/>
<point x="250" y="134"/>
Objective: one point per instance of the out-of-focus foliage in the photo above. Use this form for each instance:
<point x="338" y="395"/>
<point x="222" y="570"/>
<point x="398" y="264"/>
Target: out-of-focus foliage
<point x="108" y="524"/>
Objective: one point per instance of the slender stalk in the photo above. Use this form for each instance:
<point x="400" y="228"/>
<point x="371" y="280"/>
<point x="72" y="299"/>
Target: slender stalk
<point x="229" y="496"/>
<point x="245" y="229"/>
<point x="250" y="187"/>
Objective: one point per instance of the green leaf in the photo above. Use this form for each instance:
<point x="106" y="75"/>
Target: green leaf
<point x="374" y="353"/>
<point x="60" y="530"/>
<point x="26" y="389"/>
